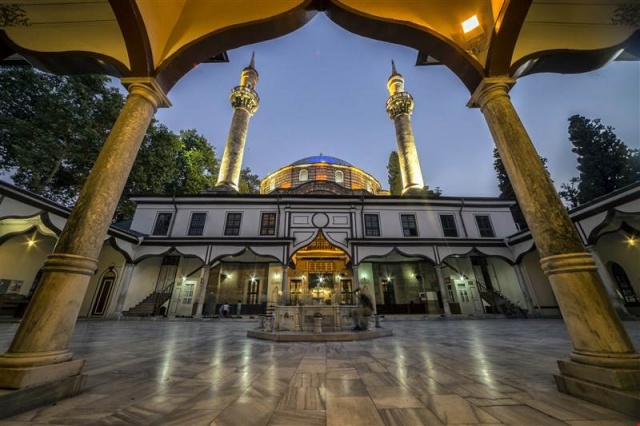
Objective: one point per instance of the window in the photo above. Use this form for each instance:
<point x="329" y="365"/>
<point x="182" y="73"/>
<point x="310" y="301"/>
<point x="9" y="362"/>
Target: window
<point x="304" y="175"/>
<point x="268" y="224"/>
<point x="196" y="227"/>
<point x="371" y="225"/>
<point x="448" y="225"/>
<point x="339" y="177"/>
<point x="163" y="220"/>
<point x="409" y="227"/>
<point x="272" y="185"/>
<point x="253" y="291"/>
<point x="232" y="227"/>
<point x="188" y="294"/>
<point x="484" y="226"/>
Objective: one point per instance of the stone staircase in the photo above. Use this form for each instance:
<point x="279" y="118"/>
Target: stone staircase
<point x="501" y="304"/>
<point x="147" y="307"/>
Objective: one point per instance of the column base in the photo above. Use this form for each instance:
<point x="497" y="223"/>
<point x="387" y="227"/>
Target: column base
<point x="22" y="377"/>
<point x="615" y="388"/>
<point x="222" y="188"/>
<point x="13" y="402"/>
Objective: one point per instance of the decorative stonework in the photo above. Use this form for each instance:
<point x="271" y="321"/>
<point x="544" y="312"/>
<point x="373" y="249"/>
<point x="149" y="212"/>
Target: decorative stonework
<point x="147" y="88"/>
<point x="245" y="98"/>
<point x="399" y="103"/>
<point x="490" y="88"/>
<point x="566" y="263"/>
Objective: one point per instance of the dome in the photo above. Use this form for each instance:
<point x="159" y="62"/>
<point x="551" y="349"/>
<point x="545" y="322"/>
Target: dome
<point x="320" y="174"/>
<point x="321" y="159"/>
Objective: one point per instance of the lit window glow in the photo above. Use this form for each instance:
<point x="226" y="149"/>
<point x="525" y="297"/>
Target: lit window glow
<point x="470" y="24"/>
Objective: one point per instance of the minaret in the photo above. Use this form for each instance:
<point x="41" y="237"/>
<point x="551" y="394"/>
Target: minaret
<point x="244" y="101"/>
<point x="399" y="108"/>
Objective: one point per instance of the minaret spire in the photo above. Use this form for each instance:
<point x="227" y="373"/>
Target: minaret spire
<point x="399" y="107"/>
<point x="245" y="102"/>
<point x="252" y="64"/>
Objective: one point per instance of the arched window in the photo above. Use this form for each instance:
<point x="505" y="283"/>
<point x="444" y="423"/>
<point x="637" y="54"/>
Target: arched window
<point x="626" y="290"/>
<point x="304" y="175"/>
<point x="105" y="287"/>
<point x="339" y="177"/>
<point x="272" y="185"/>
<point x="369" y="187"/>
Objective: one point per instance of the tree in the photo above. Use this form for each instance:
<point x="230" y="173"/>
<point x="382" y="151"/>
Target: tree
<point x="506" y="189"/>
<point x="169" y="164"/>
<point x="605" y="163"/>
<point x="393" y="170"/>
<point x="249" y="182"/>
<point x="570" y="192"/>
<point x="52" y="128"/>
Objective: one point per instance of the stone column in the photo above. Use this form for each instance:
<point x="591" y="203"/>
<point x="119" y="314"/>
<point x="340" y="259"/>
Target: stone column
<point x="245" y="102"/>
<point x="284" y="285"/>
<point x="356" y="277"/>
<point x="597" y="334"/>
<point x="399" y="108"/>
<point x="443" y="290"/>
<point x="125" y="281"/>
<point x="202" y="294"/>
<point x="524" y="288"/>
<point x="609" y="285"/>
<point x="39" y="352"/>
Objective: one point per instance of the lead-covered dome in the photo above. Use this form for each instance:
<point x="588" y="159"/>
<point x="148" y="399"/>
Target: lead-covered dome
<point x="320" y="174"/>
<point x="321" y="159"/>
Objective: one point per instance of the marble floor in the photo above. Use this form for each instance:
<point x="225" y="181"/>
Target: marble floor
<point x="431" y="372"/>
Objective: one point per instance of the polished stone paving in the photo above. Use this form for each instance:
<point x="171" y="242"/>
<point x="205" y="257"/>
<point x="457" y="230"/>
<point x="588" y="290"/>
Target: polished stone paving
<point x="430" y="372"/>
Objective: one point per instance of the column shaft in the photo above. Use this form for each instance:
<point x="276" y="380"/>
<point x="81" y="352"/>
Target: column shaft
<point x="231" y="163"/>
<point x="44" y="333"/>
<point x="408" y="154"/>
<point x="202" y="293"/>
<point x="596" y="331"/>
<point x="125" y="281"/>
<point x="443" y="291"/>
<point x="285" y="286"/>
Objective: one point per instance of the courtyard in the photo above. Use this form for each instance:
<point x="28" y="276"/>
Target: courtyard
<point x="430" y="372"/>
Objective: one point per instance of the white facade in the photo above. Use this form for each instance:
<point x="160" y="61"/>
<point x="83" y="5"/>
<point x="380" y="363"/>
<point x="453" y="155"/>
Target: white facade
<point x="472" y="243"/>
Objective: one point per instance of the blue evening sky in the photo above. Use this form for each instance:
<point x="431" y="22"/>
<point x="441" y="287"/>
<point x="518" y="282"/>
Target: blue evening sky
<point x="323" y="90"/>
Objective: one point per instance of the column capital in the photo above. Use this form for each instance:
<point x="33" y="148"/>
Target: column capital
<point x="490" y="88"/>
<point x="398" y="104"/>
<point x="148" y="88"/>
<point x="245" y="98"/>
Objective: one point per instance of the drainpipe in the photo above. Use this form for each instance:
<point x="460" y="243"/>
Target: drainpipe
<point x="464" y="228"/>
<point x="175" y="213"/>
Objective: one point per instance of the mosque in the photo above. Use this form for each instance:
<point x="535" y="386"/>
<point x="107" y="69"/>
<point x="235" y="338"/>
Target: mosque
<point x="321" y="228"/>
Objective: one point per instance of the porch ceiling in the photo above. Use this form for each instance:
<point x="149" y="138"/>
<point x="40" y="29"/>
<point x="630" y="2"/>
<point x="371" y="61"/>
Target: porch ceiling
<point x="165" y="39"/>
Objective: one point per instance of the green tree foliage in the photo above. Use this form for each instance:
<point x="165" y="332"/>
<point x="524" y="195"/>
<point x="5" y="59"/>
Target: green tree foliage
<point x="249" y="182"/>
<point x="570" y="192"/>
<point x="169" y="164"/>
<point x="52" y="128"/>
<point x="506" y="189"/>
<point x="394" y="176"/>
<point x="605" y="163"/>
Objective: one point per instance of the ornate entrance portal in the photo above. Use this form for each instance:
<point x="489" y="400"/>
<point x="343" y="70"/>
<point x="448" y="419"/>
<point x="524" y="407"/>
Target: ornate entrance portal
<point x="320" y="275"/>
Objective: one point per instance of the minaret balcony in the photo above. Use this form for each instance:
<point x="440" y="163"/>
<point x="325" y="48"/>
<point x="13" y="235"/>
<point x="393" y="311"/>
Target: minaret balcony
<point x="246" y="98"/>
<point x="399" y="103"/>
